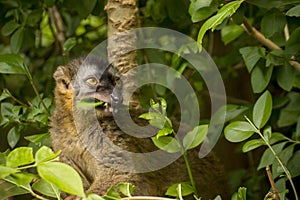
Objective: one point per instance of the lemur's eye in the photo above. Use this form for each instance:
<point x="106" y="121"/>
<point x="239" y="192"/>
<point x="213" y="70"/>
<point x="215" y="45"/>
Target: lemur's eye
<point x="92" y="81"/>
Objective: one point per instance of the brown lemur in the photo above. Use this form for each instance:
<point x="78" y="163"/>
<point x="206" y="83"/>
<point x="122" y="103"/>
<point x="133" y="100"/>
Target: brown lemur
<point x="86" y="146"/>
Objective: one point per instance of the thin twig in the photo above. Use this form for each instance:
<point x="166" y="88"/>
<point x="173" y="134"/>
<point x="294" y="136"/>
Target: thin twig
<point x="275" y="194"/>
<point x="265" y="41"/>
<point x="286" y="171"/>
<point x="14" y="98"/>
<point x="59" y="27"/>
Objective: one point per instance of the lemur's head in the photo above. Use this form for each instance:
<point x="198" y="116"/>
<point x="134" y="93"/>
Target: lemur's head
<point x="89" y="83"/>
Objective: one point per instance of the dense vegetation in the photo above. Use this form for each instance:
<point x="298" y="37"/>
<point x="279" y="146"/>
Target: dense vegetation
<point x="254" y="43"/>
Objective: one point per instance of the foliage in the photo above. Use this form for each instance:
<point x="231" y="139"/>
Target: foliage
<point x="167" y="140"/>
<point x="255" y="44"/>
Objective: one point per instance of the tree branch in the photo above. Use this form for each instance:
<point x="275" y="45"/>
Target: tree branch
<point x="59" y="26"/>
<point x="265" y="41"/>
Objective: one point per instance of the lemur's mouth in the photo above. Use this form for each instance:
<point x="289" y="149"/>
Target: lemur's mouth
<point x="94" y="103"/>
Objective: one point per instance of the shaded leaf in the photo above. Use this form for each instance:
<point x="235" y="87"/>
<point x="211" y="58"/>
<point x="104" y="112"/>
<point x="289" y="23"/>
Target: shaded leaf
<point x="16" y="40"/>
<point x="45" y="188"/>
<point x="11" y="64"/>
<point x="277" y="137"/>
<point x="272" y="22"/>
<point x="262" y="109"/>
<point x="251" y="55"/>
<point x="285" y="77"/>
<point x="6" y="171"/>
<point x="291" y="112"/>
<point x="21" y="178"/>
<point x="260" y="78"/>
<point x="268" y="158"/>
<point x="293" y="164"/>
<point x="8" y="189"/>
<point x="13" y="136"/>
<point x="200" y="10"/>
<point x="230" y="33"/>
<point x="9" y="28"/>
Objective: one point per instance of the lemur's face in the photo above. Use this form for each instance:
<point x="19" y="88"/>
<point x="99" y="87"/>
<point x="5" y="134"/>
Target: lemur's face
<point x="98" y="86"/>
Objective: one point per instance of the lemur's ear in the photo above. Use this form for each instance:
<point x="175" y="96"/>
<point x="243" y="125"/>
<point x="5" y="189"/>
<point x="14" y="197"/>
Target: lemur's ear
<point x="62" y="77"/>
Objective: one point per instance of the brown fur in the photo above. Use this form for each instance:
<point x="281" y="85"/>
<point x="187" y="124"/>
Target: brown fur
<point x="97" y="177"/>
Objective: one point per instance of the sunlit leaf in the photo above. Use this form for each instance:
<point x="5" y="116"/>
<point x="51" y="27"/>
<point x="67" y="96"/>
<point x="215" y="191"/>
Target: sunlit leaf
<point x="19" y="156"/>
<point x="238" y="131"/>
<point x="226" y="11"/>
<point x="195" y="137"/>
<point x="62" y="176"/>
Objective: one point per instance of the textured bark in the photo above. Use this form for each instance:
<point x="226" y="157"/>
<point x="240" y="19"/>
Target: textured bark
<point x="121" y="19"/>
<point x="122" y="43"/>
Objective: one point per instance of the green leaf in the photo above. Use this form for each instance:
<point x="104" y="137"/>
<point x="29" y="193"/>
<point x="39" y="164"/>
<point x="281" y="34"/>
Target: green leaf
<point x="20" y="156"/>
<point x="275" y="58"/>
<point x="16" y="40"/>
<point x="93" y="197"/>
<point x="252" y="144"/>
<point x="194" y="137"/>
<point x="272" y="22"/>
<point x="260" y="78"/>
<point x="164" y="132"/>
<point x="38" y="139"/>
<point x="291" y="112"/>
<point x="62" y="176"/>
<point x="296" y="134"/>
<point x="155" y="119"/>
<point x="285" y="77"/>
<point x="230" y="33"/>
<point x="112" y="194"/>
<point x="167" y="143"/>
<point x="45" y="188"/>
<point x="238" y="131"/>
<point x="251" y="55"/>
<point x="226" y="11"/>
<point x="11" y="64"/>
<point x="89" y="103"/>
<point x="242" y="193"/>
<point x="6" y="171"/>
<point x="186" y="189"/>
<point x="277" y="137"/>
<point x="126" y="189"/>
<point x="8" y="189"/>
<point x="9" y="28"/>
<point x="13" y="136"/>
<point x="5" y="95"/>
<point x="294" y="11"/>
<point x="202" y="9"/>
<point x="268" y="158"/>
<point x="45" y="154"/>
<point x="230" y="111"/>
<point x="293" y="164"/>
<point x="69" y="44"/>
<point x="21" y="178"/>
<point x="262" y="109"/>
<point x="284" y="156"/>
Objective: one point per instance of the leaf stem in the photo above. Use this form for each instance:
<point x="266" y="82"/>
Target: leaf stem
<point x="286" y="171"/>
<point x="34" y="88"/>
<point x="185" y="156"/>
